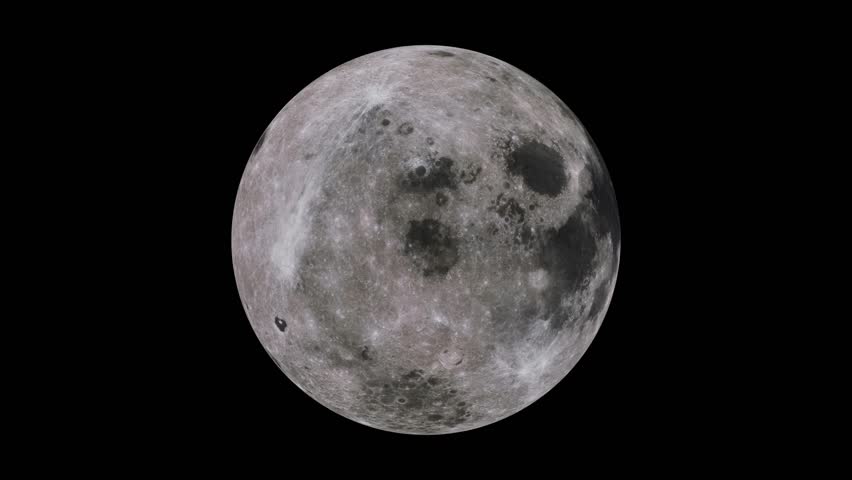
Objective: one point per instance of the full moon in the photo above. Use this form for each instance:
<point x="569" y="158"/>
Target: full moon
<point x="425" y="240"/>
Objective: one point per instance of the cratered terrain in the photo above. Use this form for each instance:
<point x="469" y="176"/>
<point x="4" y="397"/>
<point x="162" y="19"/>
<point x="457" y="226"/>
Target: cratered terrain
<point x="425" y="240"/>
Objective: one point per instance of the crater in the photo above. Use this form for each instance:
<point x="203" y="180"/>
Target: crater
<point x="509" y="209"/>
<point x="450" y="358"/>
<point x="540" y="167"/>
<point x="411" y="401"/>
<point x="469" y="176"/>
<point x="405" y="129"/>
<point x="441" y="53"/>
<point x="280" y="323"/>
<point x="440" y="199"/>
<point x="431" y="246"/>
<point x="568" y="256"/>
<point x="440" y="174"/>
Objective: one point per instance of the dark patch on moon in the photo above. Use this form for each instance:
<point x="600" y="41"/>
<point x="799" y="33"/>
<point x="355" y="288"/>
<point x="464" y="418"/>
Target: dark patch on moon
<point x="405" y="129"/>
<point x="568" y="256"/>
<point x="365" y="353"/>
<point x="385" y="122"/>
<point x="441" y="53"/>
<point x="509" y="209"/>
<point x="259" y="143"/>
<point x="431" y="246"/>
<point x="540" y="166"/>
<point x="280" y="323"/>
<point x="524" y="236"/>
<point x="440" y="199"/>
<point x="430" y="141"/>
<point x="469" y="176"/>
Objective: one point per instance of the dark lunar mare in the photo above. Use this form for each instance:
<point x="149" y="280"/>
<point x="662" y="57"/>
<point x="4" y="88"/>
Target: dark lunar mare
<point x="432" y="246"/>
<point x="568" y="255"/>
<point x="541" y="167"/>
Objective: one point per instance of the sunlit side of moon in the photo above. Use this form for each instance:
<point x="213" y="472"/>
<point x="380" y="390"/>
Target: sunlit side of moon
<point x="425" y="240"/>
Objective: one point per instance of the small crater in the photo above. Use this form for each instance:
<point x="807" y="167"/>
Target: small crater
<point x="469" y="176"/>
<point x="450" y="358"/>
<point x="401" y="400"/>
<point x="405" y="129"/>
<point x="441" y="53"/>
<point x="540" y="166"/>
<point x="440" y="199"/>
<point x="492" y="79"/>
<point x="435" y="417"/>
<point x="280" y="323"/>
<point x="509" y="209"/>
<point x="439" y="175"/>
<point x="365" y="353"/>
<point x="430" y="141"/>
<point x="414" y="375"/>
<point x="385" y="122"/>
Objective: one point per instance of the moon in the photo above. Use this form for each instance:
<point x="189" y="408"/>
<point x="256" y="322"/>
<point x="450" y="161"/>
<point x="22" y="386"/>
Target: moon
<point x="425" y="240"/>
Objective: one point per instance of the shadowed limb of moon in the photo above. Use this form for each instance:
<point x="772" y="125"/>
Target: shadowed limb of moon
<point x="425" y="240"/>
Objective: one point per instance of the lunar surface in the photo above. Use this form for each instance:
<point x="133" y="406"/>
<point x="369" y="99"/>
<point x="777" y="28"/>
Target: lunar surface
<point x="425" y="240"/>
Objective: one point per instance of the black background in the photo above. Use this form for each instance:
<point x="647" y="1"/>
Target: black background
<point x="648" y="383"/>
